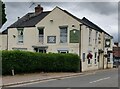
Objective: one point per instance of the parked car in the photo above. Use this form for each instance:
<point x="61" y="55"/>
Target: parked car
<point x="116" y="63"/>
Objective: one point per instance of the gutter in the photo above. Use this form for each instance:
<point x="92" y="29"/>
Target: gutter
<point x="80" y="48"/>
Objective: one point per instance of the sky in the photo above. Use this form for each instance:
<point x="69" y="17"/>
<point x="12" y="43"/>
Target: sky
<point x="104" y="14"/>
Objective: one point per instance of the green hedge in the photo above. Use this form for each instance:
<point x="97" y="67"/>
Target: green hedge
<point x="26" y="62"/>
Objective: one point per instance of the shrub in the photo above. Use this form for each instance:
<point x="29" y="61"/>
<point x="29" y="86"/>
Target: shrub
<point x="27" y="62"/>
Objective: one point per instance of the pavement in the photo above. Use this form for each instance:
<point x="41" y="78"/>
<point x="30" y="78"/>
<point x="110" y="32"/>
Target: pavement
<point x="36" y="77"/>
<point x="33" y="77"/>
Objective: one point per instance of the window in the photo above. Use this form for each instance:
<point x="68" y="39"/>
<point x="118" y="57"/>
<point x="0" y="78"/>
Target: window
<point x="83" y="57"/>
<point x="95" y="55"/>
<point x="40" y="50"/>
<point x="63" y="34"/>
<point x="89" y="61"/>
<point x="63" y="51"/>
<point x="41" y="34"/>
<point x="99" y="38"/>
<point x="96" y="36"/>
<point x="21" y="49"/>
<point x="89" y="57"/>
<point x="20" y="35"/>
<point x="108" y="58"/>
<point x="90" y="36"/>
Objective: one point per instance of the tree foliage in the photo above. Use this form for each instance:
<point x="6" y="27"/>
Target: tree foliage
<point x="2" y="13"/>
<point x="30" y="62"/>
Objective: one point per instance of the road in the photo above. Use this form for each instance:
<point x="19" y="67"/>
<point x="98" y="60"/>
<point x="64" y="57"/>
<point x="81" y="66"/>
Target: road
<point x="103" y="78"/>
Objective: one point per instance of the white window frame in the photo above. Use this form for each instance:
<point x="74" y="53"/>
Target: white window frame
<point x="90" y="36"/>
<point x="95" y="58"/>
<point x="41" y="36"/>
<point x="84" y="57"/>
<point x="20" y="36"/>
<point x="64" y="35"/>
<point x="21" y="49"/>
<point x="96" y="37"/>
<point x="63" y="51"/>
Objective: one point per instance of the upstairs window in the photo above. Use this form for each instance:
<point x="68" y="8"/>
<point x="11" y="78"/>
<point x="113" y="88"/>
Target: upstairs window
<point x="20" y="35"/>
<point x="63" y="34"/>
<point x="96" y="36"/>
<point x="90" y="36"/>
<point x="41" y="34"/>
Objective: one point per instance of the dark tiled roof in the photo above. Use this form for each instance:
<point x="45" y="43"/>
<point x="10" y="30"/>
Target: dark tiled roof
<point x="92" y="25"/>
<point x="4" y="32"/>
<point x="29" y="20"/>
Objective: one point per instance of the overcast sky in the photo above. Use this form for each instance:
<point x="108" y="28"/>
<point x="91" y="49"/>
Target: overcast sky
<point x="103" y="14"/>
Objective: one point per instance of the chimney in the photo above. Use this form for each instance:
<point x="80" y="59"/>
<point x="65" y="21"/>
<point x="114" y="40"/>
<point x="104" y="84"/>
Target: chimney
<point x="38" y="9"/>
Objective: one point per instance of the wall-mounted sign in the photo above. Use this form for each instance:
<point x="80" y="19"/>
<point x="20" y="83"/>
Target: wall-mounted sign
<point x="51" y="39"/>
<point x="74" y="36"/>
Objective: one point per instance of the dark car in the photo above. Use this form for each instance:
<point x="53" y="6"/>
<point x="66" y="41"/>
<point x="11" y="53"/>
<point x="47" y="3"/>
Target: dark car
<point x="116" y="63"/>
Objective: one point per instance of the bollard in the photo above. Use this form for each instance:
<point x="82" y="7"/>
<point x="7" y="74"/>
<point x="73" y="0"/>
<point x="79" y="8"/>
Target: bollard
<point x="13" y="72"/>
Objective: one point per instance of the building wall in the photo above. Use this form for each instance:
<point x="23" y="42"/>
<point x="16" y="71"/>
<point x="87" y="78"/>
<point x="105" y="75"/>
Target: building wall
<point x="51" y="24"/>
<point x="50" y="29"/>
<point x="29" y="38"/>
<point x="3" y="41"/>
<point x="86" y="48"/>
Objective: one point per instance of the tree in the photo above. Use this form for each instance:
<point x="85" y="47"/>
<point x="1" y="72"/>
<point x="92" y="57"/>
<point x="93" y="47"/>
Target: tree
<point x="2" y="13"/>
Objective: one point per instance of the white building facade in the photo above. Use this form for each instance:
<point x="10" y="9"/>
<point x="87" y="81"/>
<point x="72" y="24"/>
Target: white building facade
<point x="58" y="31"/>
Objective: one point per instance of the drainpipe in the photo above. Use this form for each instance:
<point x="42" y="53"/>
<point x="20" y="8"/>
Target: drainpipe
<point x="7" y="40"/>
<point x="80" y="47"/>
<point x="103" y="48"/>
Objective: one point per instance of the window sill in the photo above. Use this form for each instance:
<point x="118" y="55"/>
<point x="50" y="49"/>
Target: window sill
<point x="109" y="62"/>
<point x="89" y="65"/>
<point x="63" y="43"/>
<point x="20" y="43"/>
<point x="96" y="65"/>
<point x="90" y="44"/>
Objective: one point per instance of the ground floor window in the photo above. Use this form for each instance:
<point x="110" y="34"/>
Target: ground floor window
<point x="63" y="51"/>
<point x="83" y="57"/>
<point x="21" y="49"/>
<point x="89" y="61"/>
<point x="89" y="57"/>
<point x="108" y="58"/>
<point x="95" y="56"/>
<point x="40" y="50"/>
